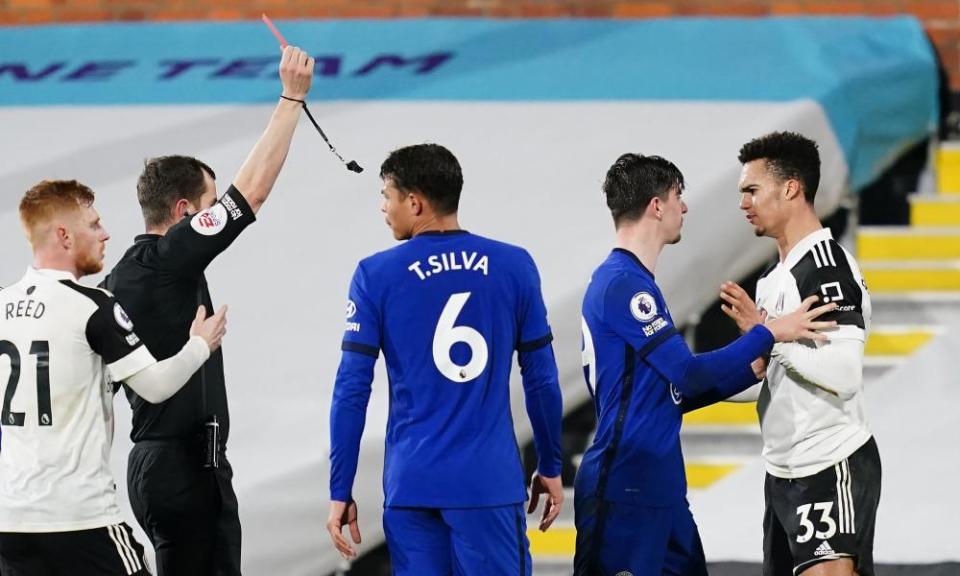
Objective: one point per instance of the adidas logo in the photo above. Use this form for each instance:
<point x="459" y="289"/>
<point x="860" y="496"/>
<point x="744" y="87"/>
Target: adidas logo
<point x="823" y="549"/>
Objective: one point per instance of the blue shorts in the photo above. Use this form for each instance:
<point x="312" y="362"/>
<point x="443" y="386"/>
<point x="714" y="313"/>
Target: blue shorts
<point x="618" y="537"/>
<point x="460" y="541"/>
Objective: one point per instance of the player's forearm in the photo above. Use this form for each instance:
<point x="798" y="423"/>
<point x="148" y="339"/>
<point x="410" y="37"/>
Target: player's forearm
<point x="348" y="414"/>
<point x="259" y="172"/>
<point x="158" y="382"/>
<point x="722" y="373"/>
<point x="544" y="407"/>
<point x="734" y="379"/>
<point x="835" y="366"/>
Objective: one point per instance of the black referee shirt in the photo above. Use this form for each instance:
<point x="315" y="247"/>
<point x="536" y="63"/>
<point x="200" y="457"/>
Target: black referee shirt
<point x="160" y="283"/>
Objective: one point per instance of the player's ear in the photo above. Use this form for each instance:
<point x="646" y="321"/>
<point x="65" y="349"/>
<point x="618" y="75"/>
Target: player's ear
<point x="415" y="203"/>
<point x="64" y="238"/>
<point x="792" y="189"/>
<point x="181" y="209"/>
<point x="655" y="208"/>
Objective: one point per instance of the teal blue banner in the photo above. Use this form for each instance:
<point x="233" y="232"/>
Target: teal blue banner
<point x="861" y="70"/>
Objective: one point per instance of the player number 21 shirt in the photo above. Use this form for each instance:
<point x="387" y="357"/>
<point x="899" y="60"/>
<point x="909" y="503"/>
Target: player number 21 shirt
<point x="60" y="346"/>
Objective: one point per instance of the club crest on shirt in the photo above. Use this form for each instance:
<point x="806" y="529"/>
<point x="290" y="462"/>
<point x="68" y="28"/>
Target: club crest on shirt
<point x="643" y="306"/>
<point x="210" y="221"/>
<point x="120" y="315"/>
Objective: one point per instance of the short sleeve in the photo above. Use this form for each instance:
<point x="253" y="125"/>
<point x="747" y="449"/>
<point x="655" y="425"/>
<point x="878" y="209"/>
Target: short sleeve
<point x="110" y="334"/>
<point x="362" y="330"/>
<point x="534" y="329"/>
<point x="634" y="309"/>
<point x="191" y="244"/>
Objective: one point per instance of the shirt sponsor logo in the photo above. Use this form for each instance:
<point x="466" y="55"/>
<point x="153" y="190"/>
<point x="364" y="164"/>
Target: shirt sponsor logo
<point x="133" y="339"/>
<point x="654" y="327"/>
<point x="831" y="292"/>
<point x="120" y="315"/>
<point x="353" y="327"/>
<point x="232" y="208"/>
<point x="210" y="221"/>
<point x="643" y="306"/>
<point x="351" y="309"/>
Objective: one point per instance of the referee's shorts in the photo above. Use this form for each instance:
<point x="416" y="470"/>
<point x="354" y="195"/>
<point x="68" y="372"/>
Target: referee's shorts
<point x="189" y="513"/>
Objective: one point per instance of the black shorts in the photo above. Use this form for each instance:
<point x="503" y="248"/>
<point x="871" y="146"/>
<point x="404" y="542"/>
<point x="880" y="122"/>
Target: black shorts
<point x="827" y="516"/>
<point x="108" y="551"/>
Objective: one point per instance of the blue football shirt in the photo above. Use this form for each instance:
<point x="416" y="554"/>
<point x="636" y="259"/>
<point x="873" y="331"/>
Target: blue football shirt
<point x="635" y="456"/>
<point x="447" y="310"/>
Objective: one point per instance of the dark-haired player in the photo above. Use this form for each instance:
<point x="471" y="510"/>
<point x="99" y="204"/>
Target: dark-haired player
<point x="631" y="510"/>
<point x="823" y="468"/>
<point x="448" y="309"/>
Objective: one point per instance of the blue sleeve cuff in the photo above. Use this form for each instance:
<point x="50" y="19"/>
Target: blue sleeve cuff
<point x="550" y="469"/>
<point x="340" y="495"/>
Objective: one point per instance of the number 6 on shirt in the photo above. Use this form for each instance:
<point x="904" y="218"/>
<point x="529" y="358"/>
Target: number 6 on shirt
<point x="447" y="334"/>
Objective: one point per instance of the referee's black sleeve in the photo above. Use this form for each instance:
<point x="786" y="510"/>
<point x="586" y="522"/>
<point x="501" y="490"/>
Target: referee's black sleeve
<point x="191" y="244"/>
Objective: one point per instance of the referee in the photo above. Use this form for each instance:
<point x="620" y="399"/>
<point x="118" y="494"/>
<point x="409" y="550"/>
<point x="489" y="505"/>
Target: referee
<point x="178" y="476"/>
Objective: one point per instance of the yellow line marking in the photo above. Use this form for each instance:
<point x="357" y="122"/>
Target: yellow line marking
<point x="703" y="475"/>
<point x="934" y="213"/>
<point x="905" y="280"/>
<point x="557" y="541"/>
<point x="738" y="413"/>
<point x="881" y="343"/>
<point x="948" y="171"/>
<point x="904" y="247"/>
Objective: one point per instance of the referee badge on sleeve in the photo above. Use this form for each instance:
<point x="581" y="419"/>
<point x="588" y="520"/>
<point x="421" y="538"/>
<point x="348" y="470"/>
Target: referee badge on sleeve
<point x="210" y="221"/>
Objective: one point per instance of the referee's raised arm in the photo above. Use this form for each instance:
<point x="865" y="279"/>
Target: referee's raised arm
<point x="260" y="170"/>
<point x="179" y="476"/>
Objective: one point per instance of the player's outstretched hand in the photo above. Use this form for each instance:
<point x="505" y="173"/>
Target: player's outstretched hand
<point x="210" y="329"/>
<point x="739" y="306"/>
<point x="343" y="513"/>
<point x="296" y="72"/>
<point x="553" y="488"/>
<point x="802" y="324"/>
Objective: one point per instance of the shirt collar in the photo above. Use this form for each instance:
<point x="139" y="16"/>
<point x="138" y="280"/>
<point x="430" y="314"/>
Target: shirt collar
<point x="443" y="232"/>
<point x="635" y="258"/>
<point x="804" y="245"/>
<point x="50" y="274"/>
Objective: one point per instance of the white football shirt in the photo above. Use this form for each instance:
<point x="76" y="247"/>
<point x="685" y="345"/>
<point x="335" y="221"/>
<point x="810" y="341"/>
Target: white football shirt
<point x="807" y="428"/>
<point x="61" y="347"/>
